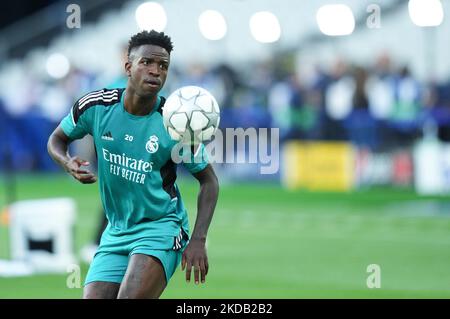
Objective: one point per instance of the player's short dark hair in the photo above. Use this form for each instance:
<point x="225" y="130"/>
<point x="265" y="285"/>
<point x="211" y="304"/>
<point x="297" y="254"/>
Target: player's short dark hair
<point x="152" y="37"/>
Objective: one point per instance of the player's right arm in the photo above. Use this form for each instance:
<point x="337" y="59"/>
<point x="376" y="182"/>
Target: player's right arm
<point x="58" y="148"/>
<point x="74" y="126"/>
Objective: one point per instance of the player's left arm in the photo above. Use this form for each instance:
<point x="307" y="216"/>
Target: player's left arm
<point x="195" y="253"/>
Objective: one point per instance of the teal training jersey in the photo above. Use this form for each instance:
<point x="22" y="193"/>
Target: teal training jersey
<point x="136" y="174"/>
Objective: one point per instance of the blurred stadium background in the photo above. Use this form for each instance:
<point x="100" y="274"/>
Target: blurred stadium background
<point x="364" y="120"/>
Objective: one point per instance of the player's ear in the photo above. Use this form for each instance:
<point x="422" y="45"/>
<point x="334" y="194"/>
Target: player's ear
<point x="128" y="68"/>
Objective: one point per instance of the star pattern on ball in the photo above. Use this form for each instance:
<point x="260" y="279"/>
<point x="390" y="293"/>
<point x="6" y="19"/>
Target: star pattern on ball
<point x="188" y="105"/>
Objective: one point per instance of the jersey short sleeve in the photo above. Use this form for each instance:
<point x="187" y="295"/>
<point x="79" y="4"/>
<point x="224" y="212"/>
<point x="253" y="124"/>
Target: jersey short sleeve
<point x="196" y="162"/>
<point x="76" y="129"/>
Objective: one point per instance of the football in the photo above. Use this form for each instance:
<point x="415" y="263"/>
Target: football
<point x="191" y="115"/>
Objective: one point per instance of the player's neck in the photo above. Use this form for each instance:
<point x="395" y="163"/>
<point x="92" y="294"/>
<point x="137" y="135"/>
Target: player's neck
<point x="138" y="105"/>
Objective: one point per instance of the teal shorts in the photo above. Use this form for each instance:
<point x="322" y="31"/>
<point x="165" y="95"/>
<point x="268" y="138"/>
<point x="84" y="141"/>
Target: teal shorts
<point x="111" y="259"/>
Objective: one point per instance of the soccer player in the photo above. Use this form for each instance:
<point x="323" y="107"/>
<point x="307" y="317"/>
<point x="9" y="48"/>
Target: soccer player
<point x="147" y="233"/>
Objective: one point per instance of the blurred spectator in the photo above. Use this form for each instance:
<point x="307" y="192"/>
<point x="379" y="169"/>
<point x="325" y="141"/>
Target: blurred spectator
<point x="338" y="101"/>
<point x="405" y="111"/>
<point x="380" y="89"/>
<point x="362" y="127"/>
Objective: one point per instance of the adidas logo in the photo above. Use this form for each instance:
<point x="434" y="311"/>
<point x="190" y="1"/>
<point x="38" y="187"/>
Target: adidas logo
<point x="107" y="136"/>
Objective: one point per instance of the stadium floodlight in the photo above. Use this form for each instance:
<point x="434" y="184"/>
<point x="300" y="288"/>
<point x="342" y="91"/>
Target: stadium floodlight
<point x="264" y="27"/>
<point x="212" y="25"/>
<point x="426" y="13"/>
<point x="57" y="65"/>
<point x="151" y="16"/>
<point x="335" y="20"/>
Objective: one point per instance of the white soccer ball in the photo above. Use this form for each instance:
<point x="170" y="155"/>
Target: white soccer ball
<point x="191" y="115"/>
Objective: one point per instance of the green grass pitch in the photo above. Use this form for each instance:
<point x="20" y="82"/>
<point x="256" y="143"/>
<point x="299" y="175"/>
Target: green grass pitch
<point x="266" y="242"/>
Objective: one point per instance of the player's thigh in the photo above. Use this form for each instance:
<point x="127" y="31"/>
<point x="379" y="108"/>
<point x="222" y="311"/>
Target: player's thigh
<point x="101" y="290"/>
<point x="145" y="278"/>
<point x="105" y="275"/>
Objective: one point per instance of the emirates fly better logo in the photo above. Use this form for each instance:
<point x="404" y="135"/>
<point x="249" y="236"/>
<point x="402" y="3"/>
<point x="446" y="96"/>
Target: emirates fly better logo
<point x="152" y="144"/>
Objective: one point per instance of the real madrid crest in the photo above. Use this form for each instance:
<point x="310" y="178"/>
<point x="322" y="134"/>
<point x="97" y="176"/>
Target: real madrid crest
<point x="152" y="144"/>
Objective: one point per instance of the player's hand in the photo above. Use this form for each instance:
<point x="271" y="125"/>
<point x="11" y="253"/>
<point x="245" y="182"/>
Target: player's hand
<point x="195" y="256"/>
<point x="73" y="167"/>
